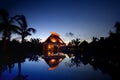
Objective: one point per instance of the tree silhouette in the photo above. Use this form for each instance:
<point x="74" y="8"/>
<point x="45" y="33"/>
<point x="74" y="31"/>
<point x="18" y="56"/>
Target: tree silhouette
<point x="23" y="29"/>
<point x="117" y="26"/>
<point x="6" y="25"/>
<point x="20" y="76"/>
<point x="76" y="42"/>
<point x="94" y="39"/>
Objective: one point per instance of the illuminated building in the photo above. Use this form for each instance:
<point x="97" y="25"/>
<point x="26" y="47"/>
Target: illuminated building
<point x="53" y="43"/>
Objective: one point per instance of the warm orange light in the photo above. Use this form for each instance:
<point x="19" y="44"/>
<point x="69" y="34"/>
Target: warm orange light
<point x="54" y="33"/>
<point x="49" y="53"/>
<point x="52" y="61"/>
<point x="53" y="68"/>
<point x="60" y="41"/>
<point x="60" y="59"/>
<point x="49" y="46"/>
<point x="53" y="39"/>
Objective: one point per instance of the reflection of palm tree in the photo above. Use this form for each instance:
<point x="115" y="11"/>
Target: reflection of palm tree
<point x="20" y="76"/>
<point x="10" y="67"/>
<point x="34" y="58"/>
<point x="23" y="30"/>
<point x="19" y="68"/>
<point x="75" y="61"/>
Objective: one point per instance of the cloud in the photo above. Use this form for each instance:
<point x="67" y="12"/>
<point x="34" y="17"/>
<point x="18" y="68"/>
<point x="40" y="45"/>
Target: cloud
<point x="70" y="34"/>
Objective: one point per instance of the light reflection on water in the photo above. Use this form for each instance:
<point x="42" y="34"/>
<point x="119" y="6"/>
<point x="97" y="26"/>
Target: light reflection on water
<point x="32" y="70"/>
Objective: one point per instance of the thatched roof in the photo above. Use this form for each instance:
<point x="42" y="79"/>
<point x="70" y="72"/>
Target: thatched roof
<point x="54" y="38"/>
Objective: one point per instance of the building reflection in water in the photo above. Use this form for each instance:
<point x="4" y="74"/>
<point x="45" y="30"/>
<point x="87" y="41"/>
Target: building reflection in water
<point x="52" y="59"/>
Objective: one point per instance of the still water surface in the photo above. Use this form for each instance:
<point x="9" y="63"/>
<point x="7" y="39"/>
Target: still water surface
<point x="65" y="70"/>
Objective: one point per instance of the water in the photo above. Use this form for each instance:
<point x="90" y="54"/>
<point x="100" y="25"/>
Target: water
<point x="39" y="69"/>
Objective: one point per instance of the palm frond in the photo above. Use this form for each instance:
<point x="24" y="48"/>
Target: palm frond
<point x="31" y="29"/>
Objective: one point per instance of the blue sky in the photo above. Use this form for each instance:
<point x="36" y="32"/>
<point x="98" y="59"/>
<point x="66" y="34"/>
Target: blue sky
<point x="83" y="18"/>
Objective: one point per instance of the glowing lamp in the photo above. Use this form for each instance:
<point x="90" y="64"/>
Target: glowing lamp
<point x="49" y="53"/>
<point x="60" y="59"/>
<point x="53" y="39"/>
<point x="52" y="61"/>
<point x="49" y="46"/>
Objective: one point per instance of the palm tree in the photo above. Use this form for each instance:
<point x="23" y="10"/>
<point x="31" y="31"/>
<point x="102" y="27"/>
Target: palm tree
<point x="6" y="25"/>
<point x="76" y="42"/>
<point x="23" y="29"/>
<point x="94" y="39"/>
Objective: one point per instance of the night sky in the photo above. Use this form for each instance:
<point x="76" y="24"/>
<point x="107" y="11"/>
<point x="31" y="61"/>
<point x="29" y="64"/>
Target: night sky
<point x="70" y="18"/>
